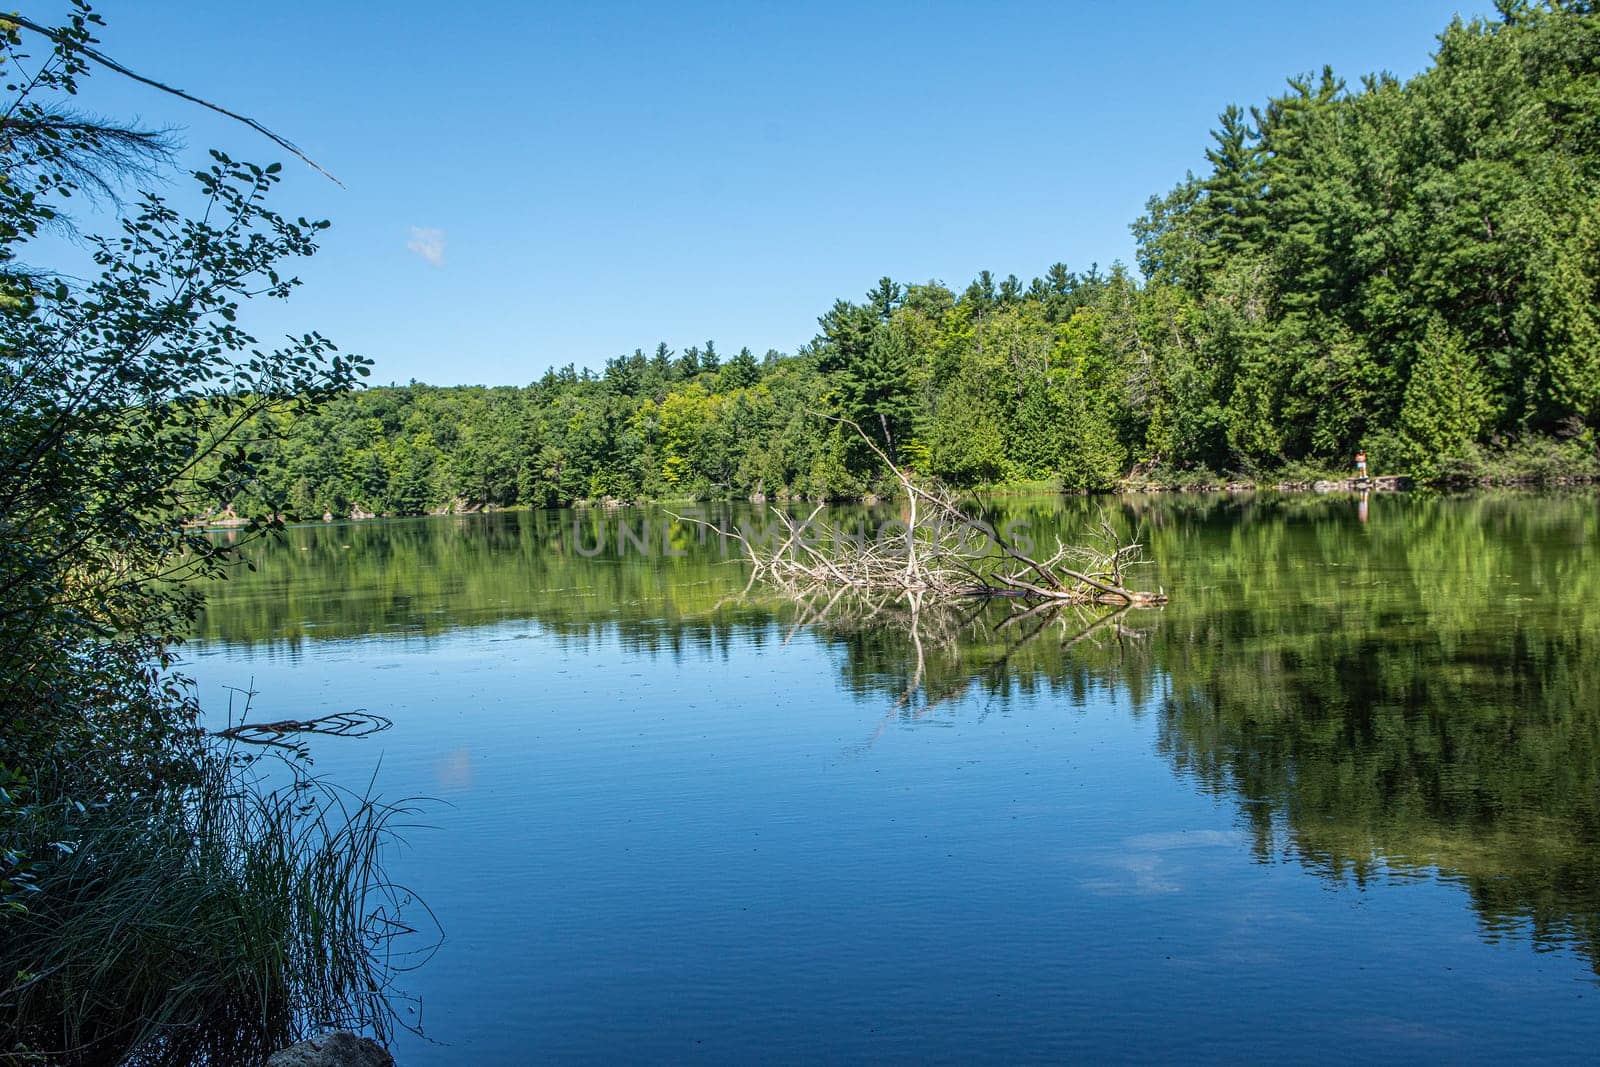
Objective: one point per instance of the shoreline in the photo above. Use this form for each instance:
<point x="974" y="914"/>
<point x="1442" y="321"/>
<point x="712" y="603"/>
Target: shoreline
<point x="1380" y="483"/>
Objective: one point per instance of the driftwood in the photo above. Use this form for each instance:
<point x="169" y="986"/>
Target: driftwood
<point x="943" y="554"/>
<point x="276" y="734"/>
<point x="945" y="579"/>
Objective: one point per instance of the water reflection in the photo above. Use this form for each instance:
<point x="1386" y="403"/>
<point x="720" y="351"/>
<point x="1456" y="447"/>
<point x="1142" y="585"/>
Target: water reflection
<point x="1408" y="696"/>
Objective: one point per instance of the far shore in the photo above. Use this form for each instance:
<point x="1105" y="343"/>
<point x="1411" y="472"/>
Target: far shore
<point x="1378" y="483"/>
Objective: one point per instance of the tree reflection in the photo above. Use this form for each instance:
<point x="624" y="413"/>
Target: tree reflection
<point x="1408" y="692"/>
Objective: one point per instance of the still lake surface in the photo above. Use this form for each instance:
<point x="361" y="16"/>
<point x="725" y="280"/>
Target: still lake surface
<point x="1340" y="798"/>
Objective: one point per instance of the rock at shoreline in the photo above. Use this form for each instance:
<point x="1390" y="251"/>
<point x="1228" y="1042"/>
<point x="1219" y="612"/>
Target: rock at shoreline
<point x="339" y="1049"/>
<point x="1382" y="483"/>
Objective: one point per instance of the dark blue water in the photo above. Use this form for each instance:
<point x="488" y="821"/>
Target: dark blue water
<point x="668" y="828"/>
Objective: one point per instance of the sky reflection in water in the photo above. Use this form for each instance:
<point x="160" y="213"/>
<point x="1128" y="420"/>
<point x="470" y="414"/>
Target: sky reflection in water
<point x="1342" y="794"/>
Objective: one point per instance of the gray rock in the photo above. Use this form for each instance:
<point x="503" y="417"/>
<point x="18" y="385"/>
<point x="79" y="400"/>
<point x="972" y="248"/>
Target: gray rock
<point x="339" y="1049"/>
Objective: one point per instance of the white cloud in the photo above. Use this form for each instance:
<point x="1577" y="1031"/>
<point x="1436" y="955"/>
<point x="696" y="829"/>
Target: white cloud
<point x="428" y="243"/>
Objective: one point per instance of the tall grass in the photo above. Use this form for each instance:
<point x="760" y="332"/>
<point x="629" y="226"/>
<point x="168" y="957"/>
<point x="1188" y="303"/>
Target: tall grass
<point x="213" y="925"/>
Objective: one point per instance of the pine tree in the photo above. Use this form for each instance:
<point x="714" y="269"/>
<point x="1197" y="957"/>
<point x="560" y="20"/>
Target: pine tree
<point x="1447" y="401"/>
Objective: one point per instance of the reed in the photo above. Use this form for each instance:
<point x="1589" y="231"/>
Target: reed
<point x="212" y="924"/>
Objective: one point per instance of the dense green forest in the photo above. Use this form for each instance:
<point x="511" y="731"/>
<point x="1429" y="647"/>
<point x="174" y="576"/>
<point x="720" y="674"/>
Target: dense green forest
<point x="1412" y="268"/>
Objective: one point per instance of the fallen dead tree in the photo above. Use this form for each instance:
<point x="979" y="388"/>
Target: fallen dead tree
<point x="943" y="553"/>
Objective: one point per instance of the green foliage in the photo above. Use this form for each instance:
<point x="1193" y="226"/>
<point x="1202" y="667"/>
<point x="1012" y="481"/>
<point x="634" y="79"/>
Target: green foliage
<point x="1338" y="230"/>
<point x="205" y="929"/>
<point x="1406" y="268"/>
<point x="1412" y="269"/>
<point x="1447" y="402"/>
<point x="153" y="906"/>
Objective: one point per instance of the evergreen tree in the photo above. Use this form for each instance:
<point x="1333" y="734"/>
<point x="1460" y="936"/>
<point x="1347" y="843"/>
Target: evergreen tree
<point x="1447" y="401"/>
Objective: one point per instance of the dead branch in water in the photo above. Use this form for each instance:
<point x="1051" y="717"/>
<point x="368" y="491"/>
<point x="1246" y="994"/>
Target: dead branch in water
<point x="340" y="724"/>
<point x="944" y="554"/>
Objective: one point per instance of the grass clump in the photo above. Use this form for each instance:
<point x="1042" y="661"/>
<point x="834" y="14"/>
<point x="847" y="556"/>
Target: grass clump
<point x="210" y="924"/>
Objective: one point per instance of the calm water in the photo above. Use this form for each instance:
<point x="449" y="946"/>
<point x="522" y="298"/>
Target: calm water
<point x="1340" y="798"/>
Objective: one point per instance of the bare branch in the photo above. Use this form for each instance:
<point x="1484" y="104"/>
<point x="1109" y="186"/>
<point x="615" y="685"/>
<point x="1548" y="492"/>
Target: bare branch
<point x="936" y="556"/>
<point x="111" y="64"/>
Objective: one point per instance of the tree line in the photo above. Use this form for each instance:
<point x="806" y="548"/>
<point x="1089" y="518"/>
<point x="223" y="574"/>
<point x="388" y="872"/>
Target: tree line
<point x="1410" y="268"/>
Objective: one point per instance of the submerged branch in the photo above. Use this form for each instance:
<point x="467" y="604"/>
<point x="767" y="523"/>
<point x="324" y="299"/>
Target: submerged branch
<point x="339" y="724"/>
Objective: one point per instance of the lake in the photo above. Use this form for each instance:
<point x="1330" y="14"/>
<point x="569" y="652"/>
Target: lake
<point x="1339" y="798"/>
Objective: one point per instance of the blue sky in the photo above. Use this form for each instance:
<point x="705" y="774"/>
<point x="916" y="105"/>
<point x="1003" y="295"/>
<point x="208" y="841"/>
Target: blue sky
<point x="531" y="184"/>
